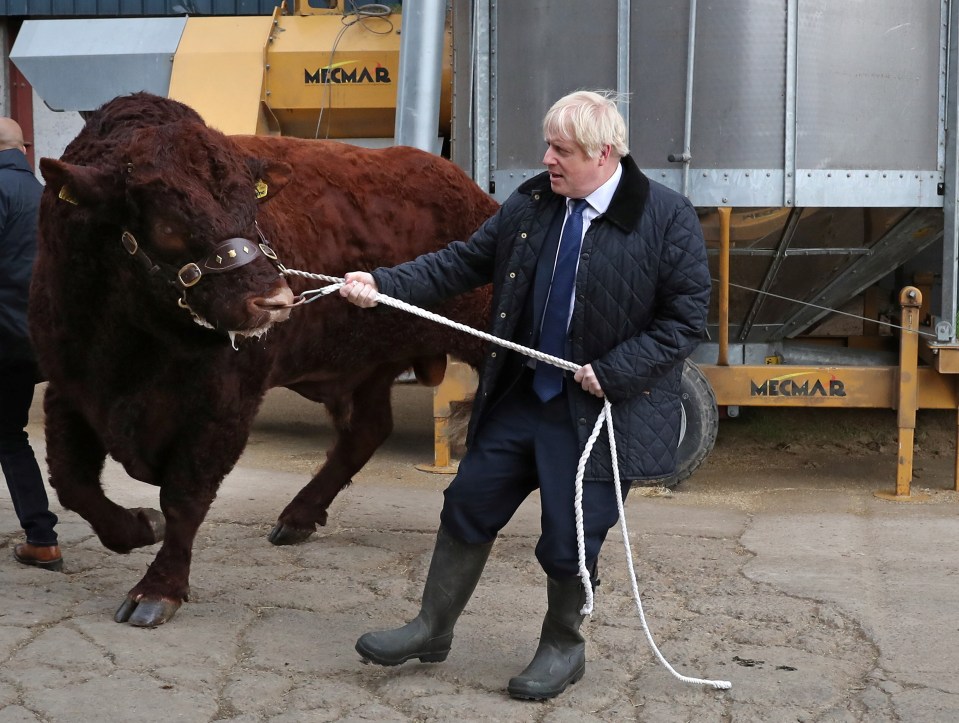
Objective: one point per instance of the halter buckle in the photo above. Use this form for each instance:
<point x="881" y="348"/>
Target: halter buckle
<point x="189" y="275"/>
<point x="129" y="243"/>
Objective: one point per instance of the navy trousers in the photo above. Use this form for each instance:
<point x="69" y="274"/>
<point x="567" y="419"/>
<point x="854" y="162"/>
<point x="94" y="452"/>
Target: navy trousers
<point x="19" y="465"/>
<point x="523" y="445"/>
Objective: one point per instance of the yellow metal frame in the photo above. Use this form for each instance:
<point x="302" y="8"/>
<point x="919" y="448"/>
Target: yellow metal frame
<point x="458" y="384"/>
<point x="906" y="387"/>
<point x="218" y="70"/>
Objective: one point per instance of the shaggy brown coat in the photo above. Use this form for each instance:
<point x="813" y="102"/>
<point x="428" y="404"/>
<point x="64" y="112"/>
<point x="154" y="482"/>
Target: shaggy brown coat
<point x="134" y="376"/>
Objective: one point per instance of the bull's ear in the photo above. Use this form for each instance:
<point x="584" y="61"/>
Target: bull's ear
<point x="87" y="186"/>
<point x="271" y="178"/>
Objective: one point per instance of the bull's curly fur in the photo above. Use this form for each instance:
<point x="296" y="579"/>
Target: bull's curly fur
<point x="131" y="375"/>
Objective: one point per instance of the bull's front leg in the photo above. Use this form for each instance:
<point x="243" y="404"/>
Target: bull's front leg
<point x="196" y="465"/>
<point x="358" y="434"/>
<point x="166" y="585"/>
<point x="75" y="457"/>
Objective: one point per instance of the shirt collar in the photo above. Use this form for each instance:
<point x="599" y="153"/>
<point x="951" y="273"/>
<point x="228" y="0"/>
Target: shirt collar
<point x="600" y="199"/>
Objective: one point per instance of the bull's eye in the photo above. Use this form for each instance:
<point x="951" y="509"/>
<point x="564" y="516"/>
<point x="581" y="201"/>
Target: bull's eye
<point x="168" y="240"/>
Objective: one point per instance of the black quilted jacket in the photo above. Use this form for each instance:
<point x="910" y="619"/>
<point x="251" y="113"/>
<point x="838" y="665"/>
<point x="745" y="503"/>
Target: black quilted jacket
<point x="642" y="291"/>
<point x="19" y="204"/>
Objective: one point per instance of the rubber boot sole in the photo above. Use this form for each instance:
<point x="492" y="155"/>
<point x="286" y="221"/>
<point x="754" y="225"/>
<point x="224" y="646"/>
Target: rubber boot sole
<point x="369" y="656"/>
<point x="523" y="694"/>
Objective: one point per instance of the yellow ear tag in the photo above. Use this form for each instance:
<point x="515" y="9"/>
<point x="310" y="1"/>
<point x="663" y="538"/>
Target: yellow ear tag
<point x="261" y="189"/>
<point x="66" y="195"/>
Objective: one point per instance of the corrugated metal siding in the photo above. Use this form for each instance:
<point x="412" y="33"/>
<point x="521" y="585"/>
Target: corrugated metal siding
<point x="133" y="8"/>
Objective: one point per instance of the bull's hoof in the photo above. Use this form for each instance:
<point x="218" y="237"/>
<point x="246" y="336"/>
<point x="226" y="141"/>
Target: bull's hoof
<point x="285" y="535"/>
<point x="154" y="519"/>
<point x="146" y="612"/>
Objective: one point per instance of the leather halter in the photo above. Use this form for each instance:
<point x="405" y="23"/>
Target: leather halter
<point x="228" y="255"/>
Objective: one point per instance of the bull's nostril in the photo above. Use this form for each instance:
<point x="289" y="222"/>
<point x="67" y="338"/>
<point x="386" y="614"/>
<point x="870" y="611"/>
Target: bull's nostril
<point x="277" y="298"/>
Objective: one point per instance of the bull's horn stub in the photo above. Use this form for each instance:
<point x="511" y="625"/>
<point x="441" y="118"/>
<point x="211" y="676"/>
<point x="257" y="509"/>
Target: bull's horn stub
<point x="261" y="188"/>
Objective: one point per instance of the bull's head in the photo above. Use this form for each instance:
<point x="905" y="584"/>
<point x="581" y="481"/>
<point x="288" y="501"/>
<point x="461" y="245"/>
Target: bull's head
<point x="183" y="200"/>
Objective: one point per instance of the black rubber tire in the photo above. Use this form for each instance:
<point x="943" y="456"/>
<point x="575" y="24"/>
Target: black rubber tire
<point x="700" y="424"/>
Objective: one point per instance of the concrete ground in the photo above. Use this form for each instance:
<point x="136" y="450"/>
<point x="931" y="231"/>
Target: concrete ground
<point x="775" y="568"/>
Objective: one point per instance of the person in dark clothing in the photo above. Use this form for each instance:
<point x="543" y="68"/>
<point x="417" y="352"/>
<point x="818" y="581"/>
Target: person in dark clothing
<point x="592" y="262"/>
<point x="19" y="205"/>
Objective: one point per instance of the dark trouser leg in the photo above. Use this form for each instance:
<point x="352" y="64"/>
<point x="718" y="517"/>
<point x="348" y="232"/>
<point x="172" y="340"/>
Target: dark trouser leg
<point x="17" y="460"/>
<point x="523" y="445"/>
<point x="454" y="571"/>
<point x="560" y="658"/>
<point x="494" y="477"/>
<point x="557" y="456"/>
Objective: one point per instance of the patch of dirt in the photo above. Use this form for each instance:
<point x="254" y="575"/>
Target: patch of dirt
<point x="810" y="438"/>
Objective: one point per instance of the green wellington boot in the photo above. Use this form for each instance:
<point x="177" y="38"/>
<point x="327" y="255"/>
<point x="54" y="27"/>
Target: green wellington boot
<point x="454" y="571"/>
<point x="560" y="659"/>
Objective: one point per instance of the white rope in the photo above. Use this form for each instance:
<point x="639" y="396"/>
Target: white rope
<point x="606" y="415"/>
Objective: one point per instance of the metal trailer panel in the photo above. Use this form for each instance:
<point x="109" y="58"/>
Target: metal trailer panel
<point x="803" y="102"/>
<point x="869" y="113"/>
<point x="867" y="85"/>
<point x="537" y="59"/>
<point x="119" y="56"/>
<point x="739" y="83"/>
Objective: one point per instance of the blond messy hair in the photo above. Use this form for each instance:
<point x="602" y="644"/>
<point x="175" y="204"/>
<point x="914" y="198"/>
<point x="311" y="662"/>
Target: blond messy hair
<point x="590" y="119"/>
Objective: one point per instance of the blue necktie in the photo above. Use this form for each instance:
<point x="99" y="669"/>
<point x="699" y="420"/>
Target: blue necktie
<point x="547" y="379"/>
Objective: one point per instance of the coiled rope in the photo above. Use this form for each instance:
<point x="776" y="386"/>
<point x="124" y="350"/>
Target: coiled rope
<point x="605" y="415"/>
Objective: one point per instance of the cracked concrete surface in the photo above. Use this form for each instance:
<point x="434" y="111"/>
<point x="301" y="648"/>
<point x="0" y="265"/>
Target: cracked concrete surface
<point x="817" y="600"/>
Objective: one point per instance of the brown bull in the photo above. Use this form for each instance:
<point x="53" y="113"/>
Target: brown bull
<point x="152" y="299"/>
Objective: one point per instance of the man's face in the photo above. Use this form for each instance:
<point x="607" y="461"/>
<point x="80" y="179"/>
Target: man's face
<point x="571" y="172"/>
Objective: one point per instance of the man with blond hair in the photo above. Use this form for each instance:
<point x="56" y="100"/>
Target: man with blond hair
<point x="19" y="204"/>
<point x="592" y="262"/>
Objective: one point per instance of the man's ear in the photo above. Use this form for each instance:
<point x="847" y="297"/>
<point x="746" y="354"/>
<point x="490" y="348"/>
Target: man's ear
<point x="91" y="187"/>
